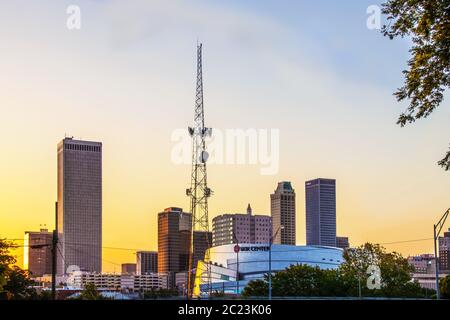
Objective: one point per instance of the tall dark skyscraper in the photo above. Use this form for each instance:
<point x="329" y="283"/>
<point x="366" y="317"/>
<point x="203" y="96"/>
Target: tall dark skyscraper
<point x="174" y="236"/>
<point x="321" y="212"/>
<point x="80" y="205"/>
<point x="282" y="206"/>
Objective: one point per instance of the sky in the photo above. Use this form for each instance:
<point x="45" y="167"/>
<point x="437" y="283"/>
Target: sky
<point x="312" y="70"/>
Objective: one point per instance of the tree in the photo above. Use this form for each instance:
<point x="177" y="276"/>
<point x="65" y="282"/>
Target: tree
<point x="19" y="285"/>
<point x="6" y="260"/>
<point x="256" y="288"/>
<point x="160" y="293"/>
<point x="15" y="283"/>
<point x="395" y="271"/>
<point x="90" y="292"/>
<point x="308" y="281"/>
<point x="444" y="287"/>
<point x="427" y="22"/>
<point x="300" y="281"/>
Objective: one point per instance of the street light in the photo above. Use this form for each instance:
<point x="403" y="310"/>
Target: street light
<point x="438" y="226"/>
<point x="270" y="259"/>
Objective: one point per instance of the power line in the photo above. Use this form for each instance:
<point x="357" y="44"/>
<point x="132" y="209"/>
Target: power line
<point x="140" y="249"/>
<point x="406" y="241"/>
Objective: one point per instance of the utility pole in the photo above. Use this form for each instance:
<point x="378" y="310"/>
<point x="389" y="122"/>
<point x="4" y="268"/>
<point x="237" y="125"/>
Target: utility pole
<point x="54" y="252"/>
<point x="199" y="192"/>
<point x="436" y="231"/>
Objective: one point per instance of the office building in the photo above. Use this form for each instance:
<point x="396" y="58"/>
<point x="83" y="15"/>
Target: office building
<point x="146" y="262"/>
<point x="342" y="242"/>
<point x="423" y="264"/>
<point x="128" y="268"/>
<point x="37" y="256"/>
<point x="174" y="227"/>
<point x="80" y="205"/>
<point x="321" y="212"/>
<point x="444" y="252"/>
<point x="241" y="228"/>
<point x="282" y="205"/>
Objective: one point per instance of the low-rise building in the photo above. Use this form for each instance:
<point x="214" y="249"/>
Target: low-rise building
<point x="118" y="282"/>
<point x="423" y="264"/>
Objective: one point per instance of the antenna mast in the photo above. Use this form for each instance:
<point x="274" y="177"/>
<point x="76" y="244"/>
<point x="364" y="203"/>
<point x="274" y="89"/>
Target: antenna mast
<point x="199" y="191"/>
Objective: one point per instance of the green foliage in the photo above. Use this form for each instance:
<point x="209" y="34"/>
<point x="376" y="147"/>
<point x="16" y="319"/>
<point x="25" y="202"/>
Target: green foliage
<point x="44" y="295"/>
<point x="427" y="23"/>
<point x="304" y="280"/>
<point x="308" y="281"/>
<point x="395" y="271"/>
<point x="160" y="293"/>
<point x="444" y="287"/>
<point x="90" y="292"/>
<point x="6" y="260"/>
<point x="19" y="285"/>
<point x="256" y="288"/>
<point x="217" y="294"/>
<point x="15" y="283"/>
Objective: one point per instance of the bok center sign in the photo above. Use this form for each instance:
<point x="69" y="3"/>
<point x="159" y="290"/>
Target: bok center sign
<point x="254" y="248"/>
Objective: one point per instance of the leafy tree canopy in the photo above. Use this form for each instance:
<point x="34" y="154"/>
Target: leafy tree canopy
<point x="444" y="286"/>
<point x="308" y="281"/>
<point x="15" y="283"/>
<point x="90" y="292"/>
<point x="427" y="23"/>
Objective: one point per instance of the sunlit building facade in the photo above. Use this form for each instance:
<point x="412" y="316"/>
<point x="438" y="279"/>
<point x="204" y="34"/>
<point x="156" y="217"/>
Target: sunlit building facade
<point x="79" y="205"/>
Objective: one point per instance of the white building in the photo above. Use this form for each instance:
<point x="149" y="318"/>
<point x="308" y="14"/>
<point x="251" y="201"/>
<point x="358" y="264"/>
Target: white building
<point x="111" y="281"/>
<point x="251" y="262"/>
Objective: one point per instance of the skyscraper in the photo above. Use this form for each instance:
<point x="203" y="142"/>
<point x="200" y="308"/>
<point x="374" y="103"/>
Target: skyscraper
<point x="242" y="228"/>
<point x="80" y="205"/>
<point x="174" y="236"/>
<point x="146" y="262"/>
<point x="321" y="212"/>
<point x="282" y="205"/>
<point x="37" y="256"/>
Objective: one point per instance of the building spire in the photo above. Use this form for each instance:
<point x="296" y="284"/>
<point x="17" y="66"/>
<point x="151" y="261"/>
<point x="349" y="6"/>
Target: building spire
<point x="249" y="209"/>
